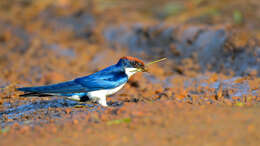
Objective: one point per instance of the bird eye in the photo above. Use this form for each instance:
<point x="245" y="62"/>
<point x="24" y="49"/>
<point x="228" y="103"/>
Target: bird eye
<point x="134" y="63"/>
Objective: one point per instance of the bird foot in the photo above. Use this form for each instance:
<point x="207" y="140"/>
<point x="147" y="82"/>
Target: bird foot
<point x="102" y="101"/>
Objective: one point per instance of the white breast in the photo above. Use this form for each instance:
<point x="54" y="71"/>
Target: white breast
<point x="104" y="93"/>
<point x="130" y="71"/>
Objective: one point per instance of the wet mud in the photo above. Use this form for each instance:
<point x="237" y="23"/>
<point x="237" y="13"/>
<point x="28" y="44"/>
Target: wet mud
<point x="205" y="93"/>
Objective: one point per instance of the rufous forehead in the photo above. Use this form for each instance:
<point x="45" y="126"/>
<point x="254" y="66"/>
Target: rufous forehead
<point x="130" y="58"/>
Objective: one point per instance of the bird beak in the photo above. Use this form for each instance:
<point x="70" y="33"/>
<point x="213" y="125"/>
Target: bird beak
<point x="140" y="70"/>
<point x="144" y="69"/>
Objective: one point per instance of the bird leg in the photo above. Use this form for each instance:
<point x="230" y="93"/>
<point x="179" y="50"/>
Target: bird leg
<point x="102" y="101"/>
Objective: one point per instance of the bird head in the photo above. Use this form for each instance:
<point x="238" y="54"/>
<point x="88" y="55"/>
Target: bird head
<point x="132" y="65"/>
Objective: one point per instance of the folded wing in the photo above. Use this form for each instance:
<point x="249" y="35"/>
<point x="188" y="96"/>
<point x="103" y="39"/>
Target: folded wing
<point x="101" y="80"/>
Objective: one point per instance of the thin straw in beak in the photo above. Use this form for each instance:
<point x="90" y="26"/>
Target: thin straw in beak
<point x="155" y="61"/>
<point x="145" y="69"/>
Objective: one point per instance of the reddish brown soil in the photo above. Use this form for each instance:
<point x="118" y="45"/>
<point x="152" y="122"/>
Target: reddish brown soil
<point x="206" y="93"/>
<point x="164" y="122"/>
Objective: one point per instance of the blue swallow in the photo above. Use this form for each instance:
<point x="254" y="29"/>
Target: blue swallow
<point x="96" y="86"/>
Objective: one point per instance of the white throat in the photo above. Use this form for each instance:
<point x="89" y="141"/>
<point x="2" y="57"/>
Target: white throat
<point x="130" y="71"/>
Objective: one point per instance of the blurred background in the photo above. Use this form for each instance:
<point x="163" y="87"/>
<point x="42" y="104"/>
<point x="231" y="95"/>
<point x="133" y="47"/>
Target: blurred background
<point x="42" y="36"/>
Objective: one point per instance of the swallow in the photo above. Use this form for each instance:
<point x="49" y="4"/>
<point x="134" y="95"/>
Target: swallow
<point x="96" y="86"/>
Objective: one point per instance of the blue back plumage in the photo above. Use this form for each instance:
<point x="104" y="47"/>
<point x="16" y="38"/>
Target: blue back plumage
<point x="108" y="78"/>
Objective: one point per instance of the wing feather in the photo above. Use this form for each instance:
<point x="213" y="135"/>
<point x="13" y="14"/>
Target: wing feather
<point x="108" y="78"/>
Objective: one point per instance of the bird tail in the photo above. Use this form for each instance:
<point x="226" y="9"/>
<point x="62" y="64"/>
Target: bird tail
<point x="40" y="91"/>
<point x="35" y="94"/>
<point x="35" y="90"/>
<point x="50" y="90"/>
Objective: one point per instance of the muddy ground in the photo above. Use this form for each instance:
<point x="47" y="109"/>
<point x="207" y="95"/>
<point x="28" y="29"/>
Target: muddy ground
<point x="207" y="92"/>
